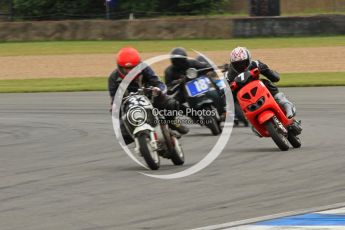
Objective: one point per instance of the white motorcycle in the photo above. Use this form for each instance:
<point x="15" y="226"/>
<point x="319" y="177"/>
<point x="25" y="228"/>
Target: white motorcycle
<point x="150" y="131"/>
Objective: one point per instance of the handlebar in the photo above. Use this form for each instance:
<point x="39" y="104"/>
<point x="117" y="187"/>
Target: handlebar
<point x="255" y="73"/>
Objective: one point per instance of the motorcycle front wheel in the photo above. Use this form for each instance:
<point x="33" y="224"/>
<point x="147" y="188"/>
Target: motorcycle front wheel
<point x="150" y="156"/>
<point x="278" y="138"/>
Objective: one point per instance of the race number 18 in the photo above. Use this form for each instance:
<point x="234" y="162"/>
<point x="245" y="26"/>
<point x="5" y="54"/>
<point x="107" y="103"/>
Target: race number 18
<point x="201" y="85"/>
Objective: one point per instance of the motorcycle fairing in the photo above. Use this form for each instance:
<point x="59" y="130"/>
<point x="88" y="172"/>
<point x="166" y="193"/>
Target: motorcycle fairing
<point x="249" y="95"/>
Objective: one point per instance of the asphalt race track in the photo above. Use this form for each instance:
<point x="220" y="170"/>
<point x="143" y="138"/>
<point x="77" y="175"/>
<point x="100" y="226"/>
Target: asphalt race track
<point x="61" y="168"/>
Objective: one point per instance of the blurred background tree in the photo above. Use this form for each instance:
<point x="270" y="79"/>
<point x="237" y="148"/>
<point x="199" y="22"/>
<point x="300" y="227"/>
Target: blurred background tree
<point x="65" y="9"/>
<point x="191" y="7"/>
<point x="121" y="9"/>
<point x="51" y="9"/>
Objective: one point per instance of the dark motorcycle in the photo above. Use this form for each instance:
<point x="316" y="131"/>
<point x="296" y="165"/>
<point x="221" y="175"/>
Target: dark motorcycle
<point x="239" y="115"/>
<point x="203" y="94"/>
<point x="153" y="138"/>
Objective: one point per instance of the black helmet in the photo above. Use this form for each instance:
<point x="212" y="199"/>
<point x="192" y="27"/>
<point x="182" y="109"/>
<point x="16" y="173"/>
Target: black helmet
<point x="179" y="58"/>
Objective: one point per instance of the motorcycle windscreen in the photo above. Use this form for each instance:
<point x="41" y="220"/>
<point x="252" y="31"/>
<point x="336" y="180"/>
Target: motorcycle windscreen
<point x="198" y="86"/>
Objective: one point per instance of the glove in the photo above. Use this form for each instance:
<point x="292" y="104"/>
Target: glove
<point x="233" y="86"/>
<point x="225" y="67"/>
<point x="176" y="82"/>
<point x="262" y="67"/>
<point x="255" y="73"/>
<point x="156" y="91"/>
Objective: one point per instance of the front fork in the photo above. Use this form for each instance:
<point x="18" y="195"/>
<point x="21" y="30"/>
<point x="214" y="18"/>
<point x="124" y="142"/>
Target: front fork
<point x="153" y="142"/>
<point x="280" y="126"/>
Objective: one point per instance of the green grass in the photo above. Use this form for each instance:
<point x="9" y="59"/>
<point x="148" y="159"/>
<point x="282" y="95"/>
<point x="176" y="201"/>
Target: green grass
<point x="53" y="85"/>
<point x="100" y="83"/>
<point x="312" y="79"/>
<point x="91" y="47"/>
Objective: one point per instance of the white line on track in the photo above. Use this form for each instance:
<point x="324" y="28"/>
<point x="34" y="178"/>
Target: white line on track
<point x="270" y="217"/>
<point x="247" y="227"/>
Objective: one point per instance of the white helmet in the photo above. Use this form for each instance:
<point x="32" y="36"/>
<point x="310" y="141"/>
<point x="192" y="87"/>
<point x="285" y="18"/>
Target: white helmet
<point x="240" y="59"/>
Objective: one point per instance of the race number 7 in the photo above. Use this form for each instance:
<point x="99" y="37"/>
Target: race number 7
<point x="241" y="76"/>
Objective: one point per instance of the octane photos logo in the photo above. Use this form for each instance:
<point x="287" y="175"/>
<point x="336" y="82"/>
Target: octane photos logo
<point x="188" y="112"/>
<point x="138" y="117"/>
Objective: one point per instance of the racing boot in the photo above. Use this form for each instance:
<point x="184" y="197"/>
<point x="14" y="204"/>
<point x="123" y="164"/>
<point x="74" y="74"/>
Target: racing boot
<point x="165" y="102"/>
<point x="195" y="119"/>
<point x="290" y="109"/>
<point x="296" y="127"/>
<point x="182" y="129"/>
<point x="126" y="137"/>
<point x="256" y="132"/>
<point x="236" y="122"/>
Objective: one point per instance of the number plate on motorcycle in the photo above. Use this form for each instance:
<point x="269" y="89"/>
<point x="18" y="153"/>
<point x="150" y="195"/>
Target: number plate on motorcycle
<point x="220" y="83"/>
<point x="198" y="86"/>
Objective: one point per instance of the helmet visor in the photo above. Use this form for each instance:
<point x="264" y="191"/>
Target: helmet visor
<point x="180" y="63"/>
<point x="240" y="66"/>
<point x="125" y="70"/>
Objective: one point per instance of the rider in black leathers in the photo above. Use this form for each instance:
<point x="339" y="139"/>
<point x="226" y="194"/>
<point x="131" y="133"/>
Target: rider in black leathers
<point x="179" y="64"/>
<point x="240" y="61"/>
<point x="175" y="73"/>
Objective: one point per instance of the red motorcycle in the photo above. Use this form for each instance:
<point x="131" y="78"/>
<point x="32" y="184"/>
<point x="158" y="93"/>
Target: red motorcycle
<point x="263" y="112"/>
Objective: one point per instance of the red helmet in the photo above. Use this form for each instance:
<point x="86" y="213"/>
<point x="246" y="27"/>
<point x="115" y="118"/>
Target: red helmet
<point x="127" y="58"/>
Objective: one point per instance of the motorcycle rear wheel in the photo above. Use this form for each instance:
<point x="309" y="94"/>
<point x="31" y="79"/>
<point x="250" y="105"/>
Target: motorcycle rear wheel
<point x="212" y="123"/>
<point x="278" y="138"/>
<point x="151" y="157"/>
<point x="177" y="154"/>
